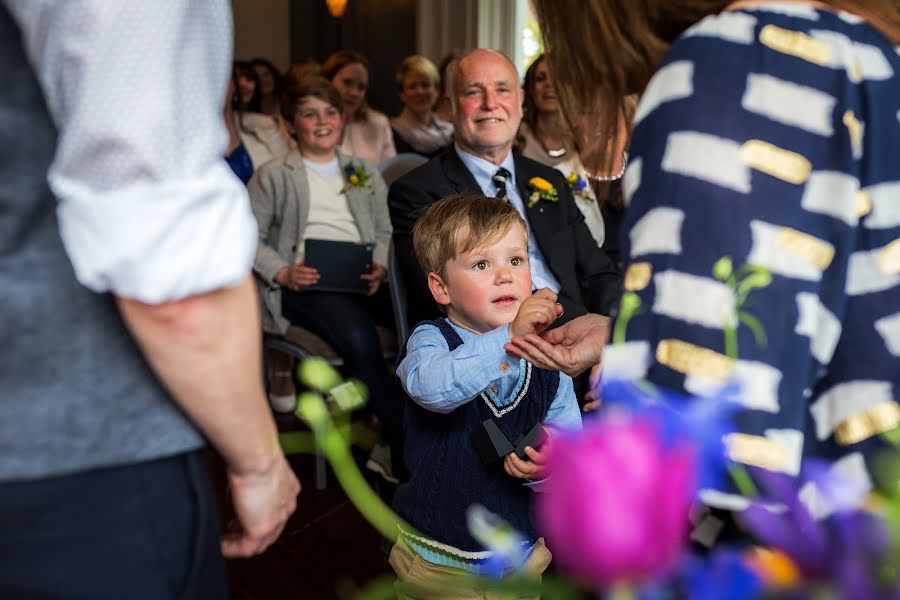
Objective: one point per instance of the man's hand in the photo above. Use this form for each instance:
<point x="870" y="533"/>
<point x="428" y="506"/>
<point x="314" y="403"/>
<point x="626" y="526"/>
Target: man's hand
<point x="571" y="348"/>
<point x="536" y="313"/>
<point x="296" y="277"/>
<point x="374" y="278"/>
<point x="263" y="501"/>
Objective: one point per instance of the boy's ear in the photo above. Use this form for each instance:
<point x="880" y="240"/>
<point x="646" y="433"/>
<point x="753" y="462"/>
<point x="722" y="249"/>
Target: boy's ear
<point x="438" y="289"/>
<point x="289" y="125"/>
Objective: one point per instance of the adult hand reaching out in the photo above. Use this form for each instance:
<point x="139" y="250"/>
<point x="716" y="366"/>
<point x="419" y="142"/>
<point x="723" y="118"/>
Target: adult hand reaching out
<point x="571" y="348"/>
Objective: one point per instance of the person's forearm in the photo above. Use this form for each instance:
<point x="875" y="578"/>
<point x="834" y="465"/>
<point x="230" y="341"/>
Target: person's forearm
<point x="206" y="351"/>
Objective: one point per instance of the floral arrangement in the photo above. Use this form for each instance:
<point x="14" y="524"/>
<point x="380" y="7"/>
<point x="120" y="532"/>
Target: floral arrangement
<point x="617" y="508"/>
<point x="579" y="187"/>
<point x="541" y="189"/>
<point x="356" y="176"/>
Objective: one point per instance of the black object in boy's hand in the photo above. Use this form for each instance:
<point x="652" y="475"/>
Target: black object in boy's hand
<point x="490" y="443"/>
<point x="534" y="438"/>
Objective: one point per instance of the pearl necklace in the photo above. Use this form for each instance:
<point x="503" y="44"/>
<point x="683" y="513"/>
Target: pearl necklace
<point x="618" y="175"/>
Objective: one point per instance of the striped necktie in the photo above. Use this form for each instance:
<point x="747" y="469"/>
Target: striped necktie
<point x="499" y="179"/>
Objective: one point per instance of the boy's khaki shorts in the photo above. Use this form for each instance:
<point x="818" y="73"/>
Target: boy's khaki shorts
<point x="414" y="570"/>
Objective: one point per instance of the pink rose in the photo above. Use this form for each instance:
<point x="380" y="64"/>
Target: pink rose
<point x="616" y="507"/>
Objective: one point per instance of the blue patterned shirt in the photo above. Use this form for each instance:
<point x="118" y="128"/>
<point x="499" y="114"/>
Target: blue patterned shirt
<point x="763" y="233"/>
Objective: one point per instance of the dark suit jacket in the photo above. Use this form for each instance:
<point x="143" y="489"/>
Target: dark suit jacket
<point x="589" y="282"/>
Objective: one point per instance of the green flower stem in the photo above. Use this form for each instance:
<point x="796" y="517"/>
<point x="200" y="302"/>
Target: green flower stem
<point x="296" y="442"/>
<point x="303" y="442"/>
<point x="336" y="448"/>
<point x="742" y="481"/>
<point x="731" y="343"/>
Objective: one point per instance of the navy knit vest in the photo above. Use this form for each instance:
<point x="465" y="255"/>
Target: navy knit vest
<point x="446" y="474"/>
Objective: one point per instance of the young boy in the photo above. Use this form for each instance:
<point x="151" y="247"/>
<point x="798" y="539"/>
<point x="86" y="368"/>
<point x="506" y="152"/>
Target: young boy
<point x="475" y="251"/>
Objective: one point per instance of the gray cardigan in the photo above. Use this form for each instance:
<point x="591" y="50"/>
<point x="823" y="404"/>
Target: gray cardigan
<point x="279" y="197"/>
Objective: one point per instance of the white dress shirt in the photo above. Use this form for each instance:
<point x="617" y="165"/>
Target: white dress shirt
<point x="483" y="171"/>
<point x="147" y="209"/>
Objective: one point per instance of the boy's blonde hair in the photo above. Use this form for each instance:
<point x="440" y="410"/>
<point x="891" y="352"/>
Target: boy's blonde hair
<point x="434" y="235"/>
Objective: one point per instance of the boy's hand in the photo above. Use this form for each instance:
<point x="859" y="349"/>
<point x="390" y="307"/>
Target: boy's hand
<point x="296" y="277"/>
<point x="534" y="468"/>
<point x="536" y="313"/>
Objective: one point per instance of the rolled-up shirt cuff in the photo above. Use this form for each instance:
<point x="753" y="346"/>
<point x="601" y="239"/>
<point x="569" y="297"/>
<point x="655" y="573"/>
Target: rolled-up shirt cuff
<point x="159" y="241"/>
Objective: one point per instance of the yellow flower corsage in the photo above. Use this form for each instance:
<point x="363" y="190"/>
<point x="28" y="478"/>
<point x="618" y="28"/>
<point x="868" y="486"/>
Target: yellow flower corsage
<point x="541" y="189"/>
<point x="356" y="176"/>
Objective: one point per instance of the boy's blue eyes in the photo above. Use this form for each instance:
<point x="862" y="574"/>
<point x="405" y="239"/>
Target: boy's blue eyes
<point x="481" y="265"/>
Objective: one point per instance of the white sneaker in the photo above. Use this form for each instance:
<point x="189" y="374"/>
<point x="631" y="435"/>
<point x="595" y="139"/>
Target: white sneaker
<point x="380" y="462"/>
<point x="283" y="404"/>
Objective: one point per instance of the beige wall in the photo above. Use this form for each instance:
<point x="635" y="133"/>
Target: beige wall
<point x="263" y="28"/>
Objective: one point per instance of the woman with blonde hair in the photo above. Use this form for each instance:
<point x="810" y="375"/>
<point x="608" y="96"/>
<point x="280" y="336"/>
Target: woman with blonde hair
<point x="762" y="230"/>
<point x="417" y="128"/>
<point x="367" y="132"/>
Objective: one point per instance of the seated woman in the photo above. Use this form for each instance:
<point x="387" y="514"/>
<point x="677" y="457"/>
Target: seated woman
<point x="367" y="132"/>
<point x="544" y="137"/>
<point x="417" y="129"/>
<point x="254" y="138"/>
<point x="310" y="194"/>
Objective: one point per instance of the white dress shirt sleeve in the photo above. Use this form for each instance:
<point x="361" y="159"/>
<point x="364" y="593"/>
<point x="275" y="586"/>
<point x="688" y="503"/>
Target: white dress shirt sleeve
<point x="147" y="207"/>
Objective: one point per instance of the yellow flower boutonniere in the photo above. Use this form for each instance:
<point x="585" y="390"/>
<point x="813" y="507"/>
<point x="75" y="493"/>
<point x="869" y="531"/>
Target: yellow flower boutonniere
<point x="356" y="176"/>
<point x="541" y="189"/>
<point x="579" y="186"/>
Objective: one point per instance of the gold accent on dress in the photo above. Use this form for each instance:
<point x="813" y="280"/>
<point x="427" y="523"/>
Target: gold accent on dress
<point x="863" y="203"/>
<point x="810" y="248"/>
<point x="756" y="451"/>
<point x="687" y="358"/>
<point x="777" y="162"/>
<point x="856" y="73"/>
<point x="889" y="258"/>
<point x="796" y="43"/>
<point x="855" y="128"/>
<point x="878" y="419"/>
<point x="637" y="277"/>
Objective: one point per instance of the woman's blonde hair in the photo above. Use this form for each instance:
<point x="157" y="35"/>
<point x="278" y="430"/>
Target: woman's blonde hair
<point x="602" y="51"/>
<point x="417" y="65"/>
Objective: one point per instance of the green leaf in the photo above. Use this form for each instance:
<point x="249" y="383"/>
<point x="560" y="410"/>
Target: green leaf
<point x="892" y="436"/>
<point x="886" y="469"/>
<point x="349" y="395"/>
<point x="318" y="374"/>
<point x="753" y="324"/>
<point x="723" y="268"/>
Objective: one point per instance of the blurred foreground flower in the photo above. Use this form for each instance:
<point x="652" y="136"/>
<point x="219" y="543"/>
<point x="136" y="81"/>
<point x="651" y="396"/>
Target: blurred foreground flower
<point x="841" y="546"/>
<point x="616" y="508"/>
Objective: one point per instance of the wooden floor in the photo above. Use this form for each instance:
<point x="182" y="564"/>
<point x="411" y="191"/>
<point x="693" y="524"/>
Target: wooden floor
<point x="326" y="551"/>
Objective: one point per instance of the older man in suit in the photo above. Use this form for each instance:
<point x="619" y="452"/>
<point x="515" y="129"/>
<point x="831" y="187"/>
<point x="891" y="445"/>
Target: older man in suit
<point x="487" y="108"/>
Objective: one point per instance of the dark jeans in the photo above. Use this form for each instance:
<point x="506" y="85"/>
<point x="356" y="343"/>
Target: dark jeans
<point x="347" y="322"/>
<point x="147" y="531"/>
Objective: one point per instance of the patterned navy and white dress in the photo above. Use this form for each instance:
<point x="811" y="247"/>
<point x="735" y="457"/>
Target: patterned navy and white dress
<point x="763" y="232"/>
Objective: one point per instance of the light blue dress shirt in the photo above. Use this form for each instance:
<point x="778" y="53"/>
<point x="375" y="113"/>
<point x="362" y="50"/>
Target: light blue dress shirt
<point x="440" y="380"/>
<point x="483" y="170"/>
